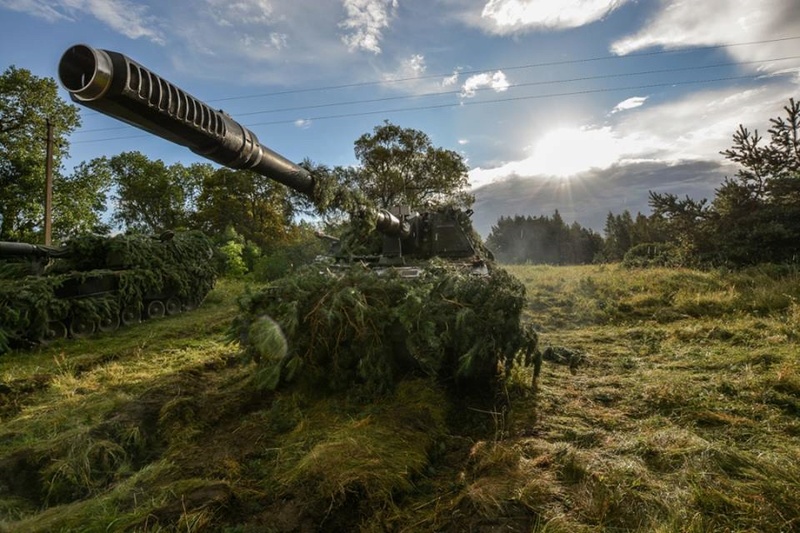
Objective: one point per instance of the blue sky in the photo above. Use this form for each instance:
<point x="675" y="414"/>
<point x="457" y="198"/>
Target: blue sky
<point x="579" y="105"/>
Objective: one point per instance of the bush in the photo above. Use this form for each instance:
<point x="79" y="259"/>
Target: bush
<point x="284" y="259"/>
<point x="233" y="262"/>
<point x="652" y="254"/>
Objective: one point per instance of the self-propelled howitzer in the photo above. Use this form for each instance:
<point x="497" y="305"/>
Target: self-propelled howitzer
<point x="115" y="85"/>
<point x="97" y="283"/>
<point x="455" y="319"/>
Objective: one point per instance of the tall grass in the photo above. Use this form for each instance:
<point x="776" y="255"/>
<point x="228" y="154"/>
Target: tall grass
<point x="610" y="294"/>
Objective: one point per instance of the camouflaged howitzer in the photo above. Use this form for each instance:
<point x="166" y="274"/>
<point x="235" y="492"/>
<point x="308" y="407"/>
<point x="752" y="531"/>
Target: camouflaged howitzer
<point x="459" y="317"/>
<point x="96" y="283"/>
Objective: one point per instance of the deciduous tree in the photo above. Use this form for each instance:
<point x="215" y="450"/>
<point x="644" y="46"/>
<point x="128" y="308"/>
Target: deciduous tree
<point x="255" y="206"/>
<point x="82" y="198"/>
<point x="26" y="103"/>
<point x="400" y="166"/>
<point x="152" y="196"/>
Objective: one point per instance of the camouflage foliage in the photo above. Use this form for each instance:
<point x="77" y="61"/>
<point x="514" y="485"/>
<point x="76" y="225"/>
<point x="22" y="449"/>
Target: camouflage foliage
<point x="359" y="326"/>
<point x="99" y="277"/>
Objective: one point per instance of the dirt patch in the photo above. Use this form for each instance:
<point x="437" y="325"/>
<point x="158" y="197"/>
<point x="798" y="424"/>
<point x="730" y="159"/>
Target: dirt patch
<point x="19" y="475"/>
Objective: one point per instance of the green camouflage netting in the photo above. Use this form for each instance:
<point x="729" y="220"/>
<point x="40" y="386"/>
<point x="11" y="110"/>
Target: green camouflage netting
<point x="98" y="278"/>
<point x="359" y="326"/>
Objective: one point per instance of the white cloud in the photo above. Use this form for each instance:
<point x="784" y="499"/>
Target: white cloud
<point x="257" y="45"/>
<point x="37" y="8"/>
<point x="683" y="23"/>
<point x="302" y="123"/>
<point x="694" y="128"/>
<point x="451" y="80"/>
<point x="462" y="142"/>
<point x="496" y="82"/>
<point x="251" y="23"/>
<point x="233" y="13"/>
<point x="565" y="152"/>
<point x="257" y="41"/>
<point x="278" y="40"/>
<point x="123" y="16"/>
<point x="630" y="103"/>
<point x="412" y="67"/>
<point x="366" y="20"/>
<point x="510" y="16"/>
<point x="409" y="76"/>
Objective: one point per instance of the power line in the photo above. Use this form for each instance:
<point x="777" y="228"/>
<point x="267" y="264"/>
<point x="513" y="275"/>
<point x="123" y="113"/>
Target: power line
<point x="507" y="68"/>
<point x="468" y="103"/>
<point x="512" y="67"/>
<point x="511" y="86"/>
<point x="510" y="99"/>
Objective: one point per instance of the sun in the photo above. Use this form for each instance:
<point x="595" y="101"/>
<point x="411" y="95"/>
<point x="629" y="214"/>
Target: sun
<point x="568" y="151"/>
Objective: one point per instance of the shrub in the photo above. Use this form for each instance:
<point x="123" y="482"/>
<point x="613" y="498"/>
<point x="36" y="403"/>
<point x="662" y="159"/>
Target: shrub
<point x="652" y="254"/>
<point x="233" y="262"/>
<point x="283" y="259"/>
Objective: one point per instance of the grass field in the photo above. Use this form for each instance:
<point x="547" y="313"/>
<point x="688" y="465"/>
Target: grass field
<point x="670" y="401"/>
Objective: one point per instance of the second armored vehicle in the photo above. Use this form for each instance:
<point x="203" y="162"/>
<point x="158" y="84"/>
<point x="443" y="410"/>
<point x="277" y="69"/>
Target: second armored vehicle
<point x="96" y="283"/>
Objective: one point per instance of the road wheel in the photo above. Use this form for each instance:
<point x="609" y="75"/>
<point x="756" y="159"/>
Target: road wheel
<point x="109" y="323"/>
<point x="56" y="330"/>
<point x="80" y="327"/>
<point x="173" y="306"/>
<point x="155" y="309"/>
<point x="130" y="315"/>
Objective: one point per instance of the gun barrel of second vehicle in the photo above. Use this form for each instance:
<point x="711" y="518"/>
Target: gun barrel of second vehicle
<point x="115" y="85"/>
<point x="23" y="249"/>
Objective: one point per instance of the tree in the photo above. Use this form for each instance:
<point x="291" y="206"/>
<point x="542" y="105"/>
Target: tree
<point x="151" y="196"/>
<point x="539" y="240"/>
<point x="26" y="103"/>
<point x="400" y="166"/>
<point x="82" y="199"/>
<point x="618" y="231"/>
<point x="758" y="213"/>
<point x="689" y="224"/>
<point x="766" y="168"/>
<point x="754" y="217"/>
<point x="256" y="207"/>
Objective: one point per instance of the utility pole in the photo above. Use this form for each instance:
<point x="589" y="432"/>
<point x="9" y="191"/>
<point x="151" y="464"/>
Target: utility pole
<point x="48" y="188"/>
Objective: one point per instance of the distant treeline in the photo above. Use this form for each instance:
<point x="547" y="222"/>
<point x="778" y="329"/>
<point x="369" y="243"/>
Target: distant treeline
<point x="543" y="239"/>
<point x="754" y="217"/>
<point x="549" y="240"/>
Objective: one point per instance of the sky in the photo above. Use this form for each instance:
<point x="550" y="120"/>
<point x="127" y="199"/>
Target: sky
<point x="578" y="105"/>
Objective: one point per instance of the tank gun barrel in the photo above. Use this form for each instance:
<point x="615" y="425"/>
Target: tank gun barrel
<point x="115" y="85"/>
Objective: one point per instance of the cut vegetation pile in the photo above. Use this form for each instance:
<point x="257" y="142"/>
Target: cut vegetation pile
<point x="676" y="410"/>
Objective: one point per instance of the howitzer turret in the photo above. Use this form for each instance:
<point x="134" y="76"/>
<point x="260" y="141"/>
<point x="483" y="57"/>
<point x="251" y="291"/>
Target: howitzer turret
<point x="115" y="85"/>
